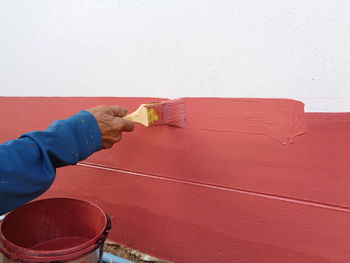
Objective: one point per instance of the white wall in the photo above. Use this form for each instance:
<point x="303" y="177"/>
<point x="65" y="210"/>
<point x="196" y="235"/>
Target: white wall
<point x="172" y="48"/>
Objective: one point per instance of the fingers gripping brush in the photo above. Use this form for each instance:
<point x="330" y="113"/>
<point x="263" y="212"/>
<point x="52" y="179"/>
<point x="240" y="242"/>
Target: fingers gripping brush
<point x="169" y="112"/>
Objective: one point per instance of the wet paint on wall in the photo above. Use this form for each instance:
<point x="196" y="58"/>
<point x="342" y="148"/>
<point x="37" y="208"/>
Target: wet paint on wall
<point x="223" y="189"/>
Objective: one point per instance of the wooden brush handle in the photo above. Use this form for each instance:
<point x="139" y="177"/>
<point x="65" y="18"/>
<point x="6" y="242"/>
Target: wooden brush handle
<point x="139" y="116"/>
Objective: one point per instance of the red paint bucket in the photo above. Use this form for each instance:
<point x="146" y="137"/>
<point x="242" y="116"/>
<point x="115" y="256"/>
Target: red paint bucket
<point x="54" y="230"/>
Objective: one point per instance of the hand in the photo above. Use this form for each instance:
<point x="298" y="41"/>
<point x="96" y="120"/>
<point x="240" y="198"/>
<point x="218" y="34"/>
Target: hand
<point x="111" y="123"/>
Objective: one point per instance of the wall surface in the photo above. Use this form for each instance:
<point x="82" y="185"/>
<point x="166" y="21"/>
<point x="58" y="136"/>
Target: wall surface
<point x="165" y="48"/>
<point x="276" y="189"/>
<point x="232" y="186"/>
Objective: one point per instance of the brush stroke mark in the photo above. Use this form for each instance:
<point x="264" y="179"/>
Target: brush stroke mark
<point x="279" y="139"/>
<point x="281" y="119"/>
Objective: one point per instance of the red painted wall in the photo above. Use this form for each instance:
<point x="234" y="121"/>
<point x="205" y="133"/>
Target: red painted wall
<point x="224" y="189"/>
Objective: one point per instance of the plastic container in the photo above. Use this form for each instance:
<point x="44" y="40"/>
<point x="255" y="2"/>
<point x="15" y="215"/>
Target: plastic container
<point x="54" y="230"/>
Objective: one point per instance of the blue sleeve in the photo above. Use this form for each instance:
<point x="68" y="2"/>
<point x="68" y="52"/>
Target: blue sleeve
<point x="27" y="165"/>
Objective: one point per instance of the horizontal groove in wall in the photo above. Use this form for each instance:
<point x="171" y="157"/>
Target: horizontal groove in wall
<point x="222" y="188"/>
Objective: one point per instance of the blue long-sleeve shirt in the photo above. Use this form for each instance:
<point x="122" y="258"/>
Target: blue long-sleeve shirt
<point x="27" y="165"/>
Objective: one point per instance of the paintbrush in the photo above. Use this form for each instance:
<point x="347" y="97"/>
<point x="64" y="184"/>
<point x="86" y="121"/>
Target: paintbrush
<point x="169" y="112"/>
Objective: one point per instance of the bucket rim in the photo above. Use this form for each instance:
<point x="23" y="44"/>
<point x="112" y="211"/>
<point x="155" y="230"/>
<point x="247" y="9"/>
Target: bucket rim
<point x="14" y="251"/>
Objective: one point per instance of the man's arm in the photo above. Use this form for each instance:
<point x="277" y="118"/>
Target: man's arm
<point x="27" y="165"/>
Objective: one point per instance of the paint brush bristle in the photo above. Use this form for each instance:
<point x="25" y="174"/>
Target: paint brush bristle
<point x="169" y="112"/>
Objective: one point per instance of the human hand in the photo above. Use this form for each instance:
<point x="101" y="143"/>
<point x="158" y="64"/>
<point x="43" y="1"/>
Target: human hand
<point x="111" y="123"/>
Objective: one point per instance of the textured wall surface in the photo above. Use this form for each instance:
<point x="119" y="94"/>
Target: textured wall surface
<point x="165" y="48"/>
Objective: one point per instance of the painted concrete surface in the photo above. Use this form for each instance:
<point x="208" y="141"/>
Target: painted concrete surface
<point x="196" y="195"/>
<point x="183" y="48"/>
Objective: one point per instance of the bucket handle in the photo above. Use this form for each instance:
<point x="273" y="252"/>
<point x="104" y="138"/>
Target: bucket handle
<point x="106" y="231"/>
